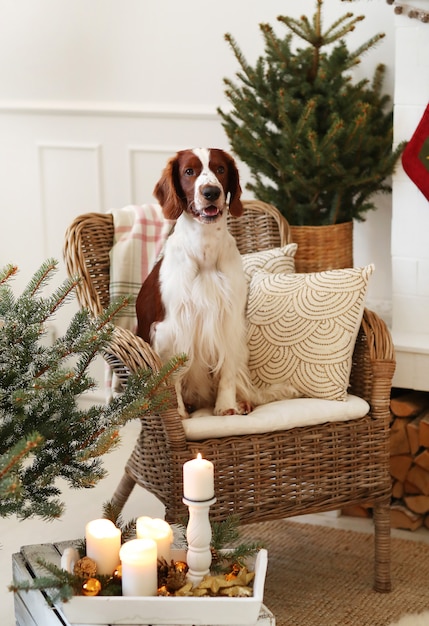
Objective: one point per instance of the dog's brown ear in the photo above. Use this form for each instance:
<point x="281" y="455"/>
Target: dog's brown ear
<point x="168" y="191"/>
<point x="235" y="206"/>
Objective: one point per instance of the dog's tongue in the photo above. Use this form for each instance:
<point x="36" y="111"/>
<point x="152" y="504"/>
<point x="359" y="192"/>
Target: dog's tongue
<point x="211" y="210"/>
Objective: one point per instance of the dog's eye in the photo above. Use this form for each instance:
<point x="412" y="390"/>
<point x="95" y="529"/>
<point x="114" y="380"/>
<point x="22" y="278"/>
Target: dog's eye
<point x="221" y="169"/>
<point x="189" y="171"/>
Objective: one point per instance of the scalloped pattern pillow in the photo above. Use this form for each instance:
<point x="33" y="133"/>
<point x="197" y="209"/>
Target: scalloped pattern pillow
<point x="302" y="328"/>
<point x="273" y="260"/>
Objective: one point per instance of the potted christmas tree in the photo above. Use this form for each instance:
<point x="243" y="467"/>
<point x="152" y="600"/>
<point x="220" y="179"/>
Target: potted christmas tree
<point x="318" y="145"/>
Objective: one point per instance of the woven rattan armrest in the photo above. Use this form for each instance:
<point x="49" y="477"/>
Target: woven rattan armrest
<point x="373" y="364"/>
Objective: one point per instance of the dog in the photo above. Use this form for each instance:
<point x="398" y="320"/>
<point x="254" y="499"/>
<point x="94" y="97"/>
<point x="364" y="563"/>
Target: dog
<point x="194" y="300"/>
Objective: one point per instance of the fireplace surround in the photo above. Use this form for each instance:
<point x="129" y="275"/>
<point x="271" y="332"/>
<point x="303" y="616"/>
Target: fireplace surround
<point x="410" y="208"/>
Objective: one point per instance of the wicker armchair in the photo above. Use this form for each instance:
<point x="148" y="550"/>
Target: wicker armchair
<point x="258" y="477"/>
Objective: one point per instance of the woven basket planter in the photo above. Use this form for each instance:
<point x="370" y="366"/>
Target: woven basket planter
<point x="323" y="247"/>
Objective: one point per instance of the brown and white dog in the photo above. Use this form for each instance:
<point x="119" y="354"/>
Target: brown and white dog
<point x="194" y="300"/>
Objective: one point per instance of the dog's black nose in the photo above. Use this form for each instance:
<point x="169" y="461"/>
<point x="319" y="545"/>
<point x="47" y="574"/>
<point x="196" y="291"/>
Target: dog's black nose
<point x="210" y="192"/>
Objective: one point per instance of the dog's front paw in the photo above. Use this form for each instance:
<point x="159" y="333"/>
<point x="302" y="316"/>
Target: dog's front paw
<point x="224" y="409"/>
<point x="245" y="407"/>
<point x="242" y="408"/>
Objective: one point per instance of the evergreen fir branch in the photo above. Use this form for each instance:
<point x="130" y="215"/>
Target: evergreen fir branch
<point x="7" y="272"/>
<point x="238" y="555"/>
<point x="113" y="513"/>
<point x="339" y="29"/>
<point x="40" y="278"/>
<point x="356" y="55"/>
<point x="377" y="84"/>
<point x="314" y="34"/>
<point x="16" y="455"/>
<point x="277" y="51"/>
<point x="305" y="117"/>
<point x="64" y="588"/>
<point x="62" y="584"/>
<point x="225" y="533"/>
<point x="40" y="386"/>
<point x="103" y="441"/>
<point x="62" y="295"/>
<point x="115" y="307"/>
<point x="128" y="530"/>
<point x="302" y="29"/>
<point x="247" y="69"/>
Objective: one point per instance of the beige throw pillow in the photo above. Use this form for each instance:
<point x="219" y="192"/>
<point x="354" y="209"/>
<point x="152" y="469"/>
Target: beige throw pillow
<point x="274" y="260"/>
<point x="303" y="327"/>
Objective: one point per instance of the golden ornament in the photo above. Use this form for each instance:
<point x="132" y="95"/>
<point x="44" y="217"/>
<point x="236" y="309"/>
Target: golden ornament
<point x="235" y="570"/>
<point x="117" y="574"/>
<point x="181" y="566"/>
<point x="91" y="587"/>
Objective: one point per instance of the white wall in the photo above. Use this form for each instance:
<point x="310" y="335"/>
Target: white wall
<point x="160" y="52"/>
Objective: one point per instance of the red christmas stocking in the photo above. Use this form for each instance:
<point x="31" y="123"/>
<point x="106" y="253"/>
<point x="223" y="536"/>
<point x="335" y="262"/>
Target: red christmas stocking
<point x="415" y="157"/>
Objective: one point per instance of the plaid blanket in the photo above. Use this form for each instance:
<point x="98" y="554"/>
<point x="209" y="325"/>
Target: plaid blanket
<point x="139" y="236"/>
<point x="140" y="233"/>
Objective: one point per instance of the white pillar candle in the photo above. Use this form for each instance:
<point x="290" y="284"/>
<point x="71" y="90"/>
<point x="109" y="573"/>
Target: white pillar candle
<point x="158" y="530"/>
<point x="139" y="568"/>
<point x="103" y="542"/>
<point x="198" y="479"/>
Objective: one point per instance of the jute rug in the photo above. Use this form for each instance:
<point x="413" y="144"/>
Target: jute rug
<point x="320" y="576"/>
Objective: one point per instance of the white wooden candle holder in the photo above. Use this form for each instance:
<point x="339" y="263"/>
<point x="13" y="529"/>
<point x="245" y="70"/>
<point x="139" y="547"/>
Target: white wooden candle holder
<point x="198" y="535"/>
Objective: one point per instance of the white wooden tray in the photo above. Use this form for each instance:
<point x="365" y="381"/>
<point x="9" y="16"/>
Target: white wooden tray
<point x="170" y="610"/>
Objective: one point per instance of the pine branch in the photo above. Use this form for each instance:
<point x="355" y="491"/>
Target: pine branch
<point x="7" y="272"/>
<point x="14" y="457"/>
<point x="44" y="434"/>
<point x="40" y="278"/>
<point x="225" y="533"/>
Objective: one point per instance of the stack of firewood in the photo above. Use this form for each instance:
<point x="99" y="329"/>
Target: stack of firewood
<point x="409" y="462"/>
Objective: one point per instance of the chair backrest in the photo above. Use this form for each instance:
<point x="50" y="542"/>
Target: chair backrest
<point x="90" y="237"/>
<point x="261" y="227"/>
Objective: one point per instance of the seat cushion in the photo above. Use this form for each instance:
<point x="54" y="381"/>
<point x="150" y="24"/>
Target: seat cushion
<point x="273" y="417"/>
<point x="302" y="329"/>
<point x="273" y="260"/>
